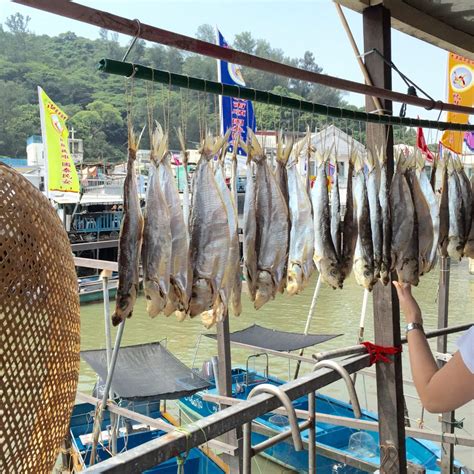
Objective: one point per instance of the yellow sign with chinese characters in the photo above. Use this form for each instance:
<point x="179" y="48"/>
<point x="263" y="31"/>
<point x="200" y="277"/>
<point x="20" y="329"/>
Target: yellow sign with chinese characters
<point x="460" y="92"/>
<point x="61" y="178"/>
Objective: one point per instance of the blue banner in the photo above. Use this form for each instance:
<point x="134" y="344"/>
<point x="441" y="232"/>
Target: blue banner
<point x="236" y="114"/>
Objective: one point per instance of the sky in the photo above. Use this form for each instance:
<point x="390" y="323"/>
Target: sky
<point x="293" y="26"/>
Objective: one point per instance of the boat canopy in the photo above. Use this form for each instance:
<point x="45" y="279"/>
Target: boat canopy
<point x="263" y="338"/>
<point x="146" y="372"/>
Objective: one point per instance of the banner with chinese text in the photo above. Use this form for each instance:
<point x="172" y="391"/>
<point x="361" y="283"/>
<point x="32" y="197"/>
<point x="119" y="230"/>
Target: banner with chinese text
<point x="460" y="92"/>
<point x="61" y="178"/>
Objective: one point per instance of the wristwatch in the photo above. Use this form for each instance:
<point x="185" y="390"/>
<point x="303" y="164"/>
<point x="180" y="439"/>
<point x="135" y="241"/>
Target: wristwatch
<point x="411" y="326"/>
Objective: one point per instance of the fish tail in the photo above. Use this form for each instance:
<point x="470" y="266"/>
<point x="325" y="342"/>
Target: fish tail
<point x="381" y="156"/>
<point x="254" y="145"/>
<point x="358" y="163"/>
<point x="419" y="160"/>
<point x="370" y="159"/>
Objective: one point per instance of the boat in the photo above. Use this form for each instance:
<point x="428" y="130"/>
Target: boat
<point x="91" y="288"/>
<point x="338" y="448"/>
<point x="145" y="375"/>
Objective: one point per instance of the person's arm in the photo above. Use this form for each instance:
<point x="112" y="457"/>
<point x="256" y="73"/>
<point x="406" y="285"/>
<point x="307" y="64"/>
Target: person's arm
<point x="440" y="390"/>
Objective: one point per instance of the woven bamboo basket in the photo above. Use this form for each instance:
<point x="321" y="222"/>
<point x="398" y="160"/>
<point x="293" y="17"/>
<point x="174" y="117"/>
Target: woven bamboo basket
<point x="39" y="328"/>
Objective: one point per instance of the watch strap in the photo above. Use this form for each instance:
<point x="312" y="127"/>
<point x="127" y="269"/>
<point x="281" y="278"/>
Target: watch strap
<point x="412" y="326"/>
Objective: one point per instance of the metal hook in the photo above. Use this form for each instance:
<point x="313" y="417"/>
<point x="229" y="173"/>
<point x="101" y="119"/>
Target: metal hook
<point x="331" y="364"/>
<point x="132" y="44"/>
<point x="135" y="69"/>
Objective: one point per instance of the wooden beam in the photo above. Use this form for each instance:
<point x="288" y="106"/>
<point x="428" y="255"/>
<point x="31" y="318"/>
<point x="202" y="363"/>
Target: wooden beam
<point x="390" y="401"/>
<point x="119" y="24"/>
<point x="93" y="263"/>
<point x="447" y="419"/>
<point x="159" y="450"/>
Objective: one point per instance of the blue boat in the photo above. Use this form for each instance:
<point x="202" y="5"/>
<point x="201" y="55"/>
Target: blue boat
<point x="140" y="383"/>
<point x="339" y="449"/>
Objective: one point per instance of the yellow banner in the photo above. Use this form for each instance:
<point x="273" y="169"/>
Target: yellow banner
<point x="460" y="92"/>
<point x="61" y="175"/>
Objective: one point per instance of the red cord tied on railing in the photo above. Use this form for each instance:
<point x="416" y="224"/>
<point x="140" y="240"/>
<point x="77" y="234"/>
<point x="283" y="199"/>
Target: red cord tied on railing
<point x="380" y="353"/>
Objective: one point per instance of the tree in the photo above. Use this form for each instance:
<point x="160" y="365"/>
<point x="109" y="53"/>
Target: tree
<point x="206" y="33"/>
<point x="18" y="24"/>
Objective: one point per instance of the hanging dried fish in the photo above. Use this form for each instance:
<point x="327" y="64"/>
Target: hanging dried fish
<point x="130" y="239"/>
<point x="429" y="260"/>
<point x="364" y="250"/>
<point x="376" y="222"/>
<point x="250" y="228"/>
<point x="325" y="256"/>
<point x="232" y="270"/>
<point x="349" y="225"/>
<point x="466" y="194"/>
<point x="444" y="214"/>
<point x="336" y="225"/>
<point x="271" y="231"/>
<point x="407" y="261"/>
<point x="281" y="176"/>
<point x="402" y="214"/>
<point x="384" y="199"/>
<point x="180" y="273"/>
<point x="209" y="233"/>
<point x="457" y="220"/>
<point x="300" y="260"/>
<point x="469" y="247"/>
<point x="236" y="295"/>
<point x="156" y="248"/>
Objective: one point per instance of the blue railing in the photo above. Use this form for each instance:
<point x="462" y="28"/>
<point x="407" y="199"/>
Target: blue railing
<point x="97" y="222"/>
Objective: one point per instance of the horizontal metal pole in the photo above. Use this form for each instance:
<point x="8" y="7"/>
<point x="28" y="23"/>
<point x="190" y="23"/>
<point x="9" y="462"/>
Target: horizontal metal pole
<point x="151" y="422"/>
<point x="147" y="32"/>
<point x="102" y="244"/>
<point x="120" y="68"/>
<point x="268" y="443"/>
<point x="93" y="263"/>
<point x="360" y="349"/>
<point x="159" y="450"/>
<point x="461" y="440"/>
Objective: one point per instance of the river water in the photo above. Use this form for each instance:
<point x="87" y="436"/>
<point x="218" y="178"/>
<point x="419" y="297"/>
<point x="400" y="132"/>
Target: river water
<point x="337" y="312"/>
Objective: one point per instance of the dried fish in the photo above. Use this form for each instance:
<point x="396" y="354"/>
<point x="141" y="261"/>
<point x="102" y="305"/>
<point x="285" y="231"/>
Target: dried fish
<point x="281" y="176"/>
<point x="209" y="233"/>
<point x="250" y="229"/>
<point x="336" y="226"/>
<point x="156" y="247"/>
<point x="376" y="222"/>
<point x="457" y="221"/>
<point x="408" y="268"/>
<point x="233" y="262"/>
<point x="130" y="239"/>
<point x="429" y="259"/>
<point x="466" y="194"/>
<point x="384" y="199"/>
<point x="469" y="247"/>
<point x="271" y="228"/>
<point x="349" y="225"/>
<point x="300" y="260"/>
<point x="444" y="214"/>
<point x="325" y="256"/>
<point x="364" y="250"/>
<point x="402" y="214"/>
<point x="180" y="275"/>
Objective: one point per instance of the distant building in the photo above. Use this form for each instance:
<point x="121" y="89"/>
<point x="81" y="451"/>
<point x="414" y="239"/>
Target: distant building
<point x="35" y="155"/>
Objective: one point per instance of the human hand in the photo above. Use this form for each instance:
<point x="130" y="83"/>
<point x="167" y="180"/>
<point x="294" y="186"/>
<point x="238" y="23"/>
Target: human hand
<point x="408" y="304"/>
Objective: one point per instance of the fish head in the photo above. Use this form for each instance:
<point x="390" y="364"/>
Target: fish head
<point x="363" y="273"/>
<point x="332" y="273"/>
<point x="295" y="279"/>
<point x="201" y="297"/>
<point x="155" y="298"/>
<point x="208" y="319"/>
<point x="455" y="248"/>
<point x="124" y="303"/>
<point x="408" y="272"/>
<point x="265" y="289"/>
